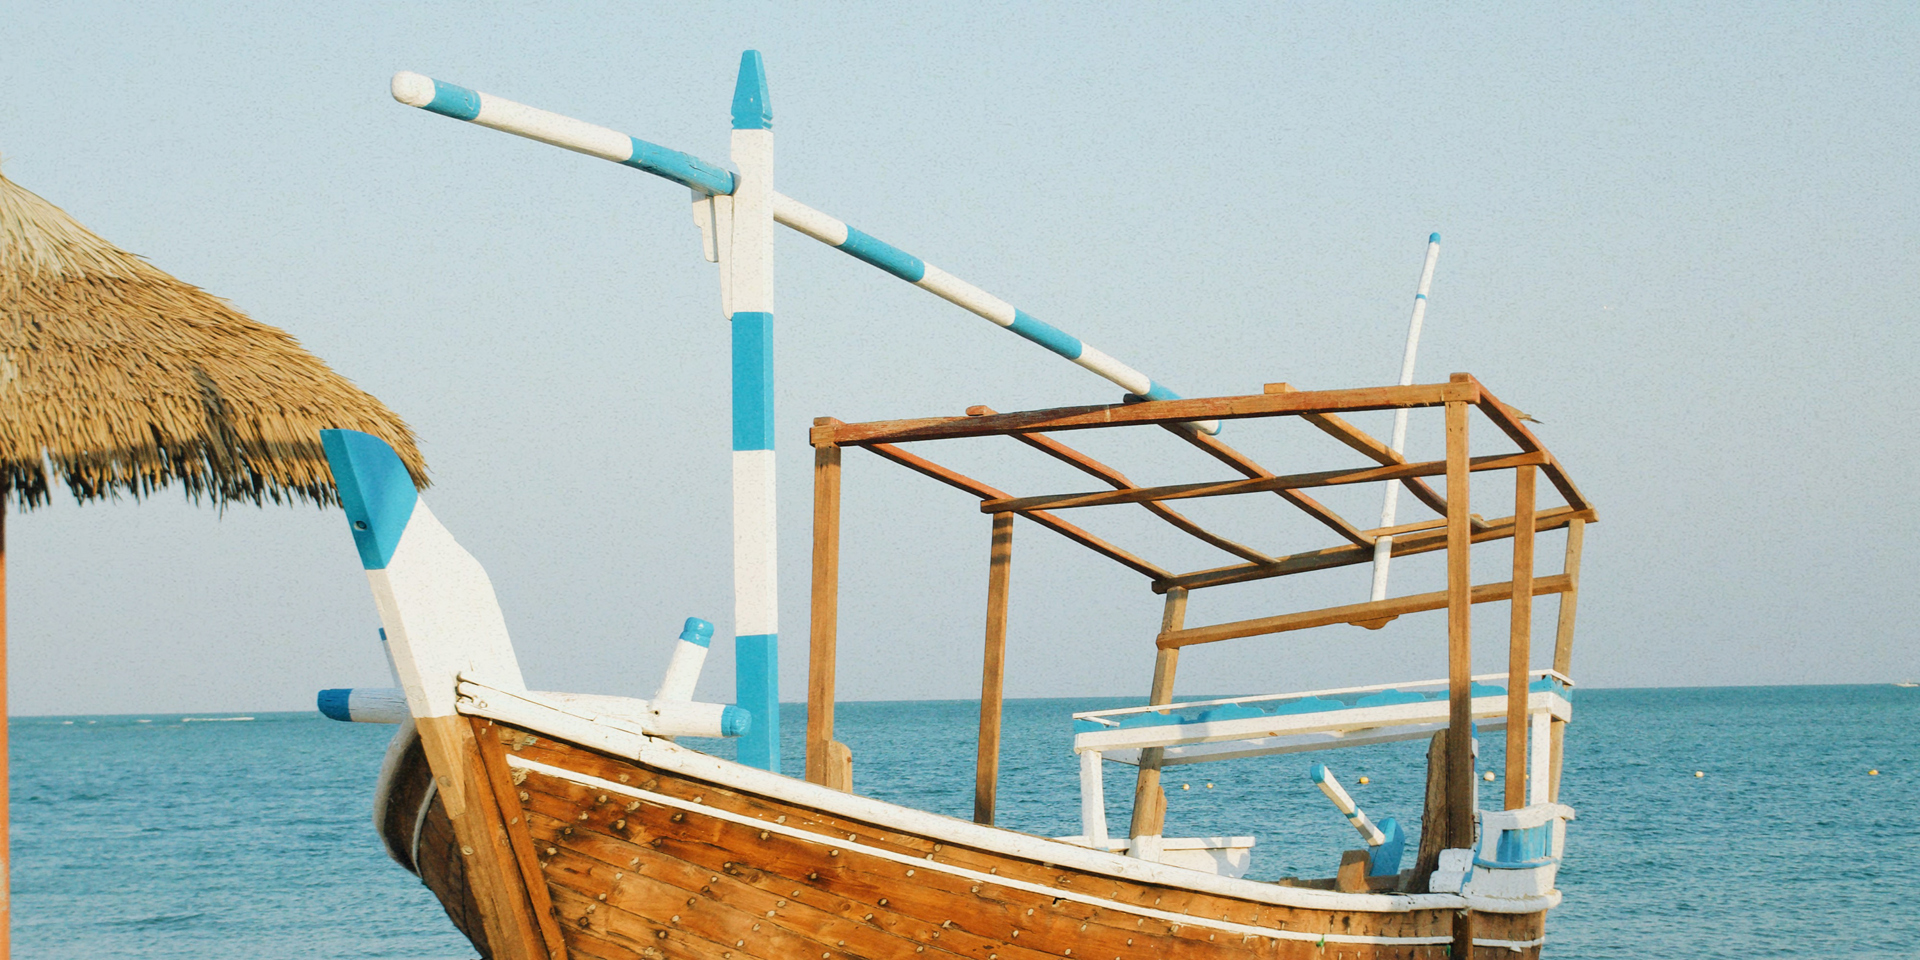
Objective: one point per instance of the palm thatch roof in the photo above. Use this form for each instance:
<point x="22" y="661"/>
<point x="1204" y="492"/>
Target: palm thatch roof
<point x="123" y="379"/>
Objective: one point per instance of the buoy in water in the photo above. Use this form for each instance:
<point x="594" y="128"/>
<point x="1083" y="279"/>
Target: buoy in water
<point x="1209" y="786"/>
<point x="1365" y="780"/>
<point x="1186" y="786"/>
<point x="1488" y="776"/>
<point x="1873" y="773"/>
<point x="1699" y="773"/>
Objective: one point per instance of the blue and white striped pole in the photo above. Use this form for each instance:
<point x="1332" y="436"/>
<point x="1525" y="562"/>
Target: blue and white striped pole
<point x="462" y="103"/>
<point x="1383" y="546"/>
<point x="946" y="286"/>
<point x="746" y="273"/>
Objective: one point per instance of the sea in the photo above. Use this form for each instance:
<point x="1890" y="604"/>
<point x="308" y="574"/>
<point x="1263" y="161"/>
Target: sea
<point x="1720" y="822"/>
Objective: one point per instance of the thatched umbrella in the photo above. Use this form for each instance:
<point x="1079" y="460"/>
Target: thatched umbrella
<point x="118" y="379"/>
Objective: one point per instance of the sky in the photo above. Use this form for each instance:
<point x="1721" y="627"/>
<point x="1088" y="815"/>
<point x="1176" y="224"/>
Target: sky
<point x="1682" y="236"/>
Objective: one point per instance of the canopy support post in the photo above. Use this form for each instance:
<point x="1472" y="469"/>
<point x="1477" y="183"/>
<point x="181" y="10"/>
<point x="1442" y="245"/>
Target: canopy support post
<point x="1563" y="643"/>
<point x="1149" y="799"/>
<point x="823" y="639"/>
<point x="1460" y="805"/>
<point x="1520" y="637"/>
<point x="993" y="669"/>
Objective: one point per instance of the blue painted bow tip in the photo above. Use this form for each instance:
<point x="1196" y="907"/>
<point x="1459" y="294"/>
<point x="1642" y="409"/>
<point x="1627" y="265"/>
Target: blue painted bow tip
<point x="333" y="704"/>
<point x="375" y="489"/>
<point x="697" y="631"/>
<point x="1433" y="238"/>
<point x="735" y="721"/>
<point x="1319" y="773"/>
<point x="751" y="109"/>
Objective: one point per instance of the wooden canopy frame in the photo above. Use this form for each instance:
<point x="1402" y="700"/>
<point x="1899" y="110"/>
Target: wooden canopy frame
<point x="1454" y="531"/>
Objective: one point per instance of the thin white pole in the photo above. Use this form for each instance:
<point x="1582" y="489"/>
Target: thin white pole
<point x="1383" y="546"/>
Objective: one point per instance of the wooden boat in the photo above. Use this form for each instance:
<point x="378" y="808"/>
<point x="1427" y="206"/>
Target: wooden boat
<point x="558" y="825"/>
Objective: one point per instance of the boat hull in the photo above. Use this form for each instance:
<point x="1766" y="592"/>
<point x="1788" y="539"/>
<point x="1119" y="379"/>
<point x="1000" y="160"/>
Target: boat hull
<point x="639" y="861"/>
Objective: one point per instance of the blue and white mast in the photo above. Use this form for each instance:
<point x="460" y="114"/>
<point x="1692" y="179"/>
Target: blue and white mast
<point x="745" y="247"/>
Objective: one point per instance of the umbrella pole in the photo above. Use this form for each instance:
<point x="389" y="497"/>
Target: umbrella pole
<point x="6" y="849"/>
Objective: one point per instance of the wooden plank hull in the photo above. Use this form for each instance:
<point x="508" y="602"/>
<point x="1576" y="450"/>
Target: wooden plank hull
<point x="645" y="862"/>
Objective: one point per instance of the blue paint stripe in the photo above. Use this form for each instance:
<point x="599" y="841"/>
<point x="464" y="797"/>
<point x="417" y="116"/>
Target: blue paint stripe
<point x="1156" y="391"/>
<point x="453" y="100"/>
<point x="1046" y="335"/>
<point x="751" y="111"/>
<point x="1433" y="238"/>
<point x="681" y="168"/>
<point x="753" y="381"/>
<point x="1419" y="296"/>
<point x="884" y="255"/>
<point x="756" y="671"/>
<point x="375" y="490"/>
<point x="697" y="631"/>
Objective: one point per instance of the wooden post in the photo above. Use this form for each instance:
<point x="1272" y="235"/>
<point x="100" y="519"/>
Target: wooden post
<point x="1520" y="637"/>
<point x="993" y="669"/>
<point x="1460" y="810"/>
<point x="1433" y="816"/>
<point x="1563" y="640"/>
<point x="499" y="778"/>
<point x="1149" y="800"/>
<point x="823" y="635"/>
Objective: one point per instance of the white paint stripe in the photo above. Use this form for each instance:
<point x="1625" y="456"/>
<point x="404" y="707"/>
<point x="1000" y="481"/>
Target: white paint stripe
<point x="752" y="263"/>
<point x="920" y="863"/>
<point x="966" y="296"/>
<point x="809" y="221"/>
<point x="1129" y="379"/>
<point x="755" y="554"/>
<point x="554" y="129"/>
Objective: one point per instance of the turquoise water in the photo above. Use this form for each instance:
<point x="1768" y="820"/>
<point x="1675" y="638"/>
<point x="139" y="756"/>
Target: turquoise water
<point x="253" y="839"/>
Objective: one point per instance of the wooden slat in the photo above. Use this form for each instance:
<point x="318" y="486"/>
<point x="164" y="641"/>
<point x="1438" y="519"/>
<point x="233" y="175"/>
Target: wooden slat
<point x="1048" y="520"/>
<point x="1149" y="797"/>
<point x="1095" y="468"/>
<point x="1563" y="644"/>
<point x="1225" y="488"/>
<point x="1509" y="422"/>
<point x="1347" y="613"/>
<point x="993" y="669"/>
<point x="1150" y="412"/>
<point x="1367" y="445"/>
<point x="823" y="626"/>
<point x="1459" y="636"/>
<point x="1520" y="638"/>
<point x="1341" y="556"/>
<point x="1246" y="465"/>
<point x="493" y="760"/>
